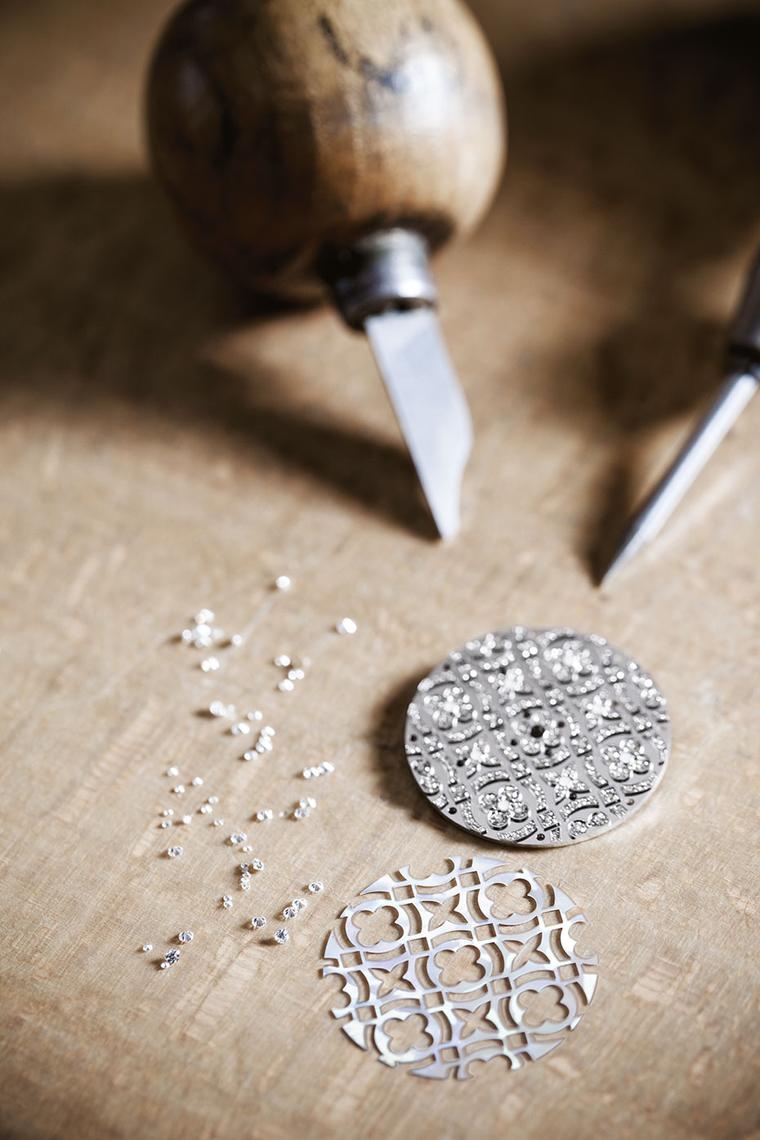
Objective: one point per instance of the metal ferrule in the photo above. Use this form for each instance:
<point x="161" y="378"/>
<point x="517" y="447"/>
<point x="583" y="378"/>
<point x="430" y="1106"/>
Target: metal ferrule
<point x="385" y="270"/>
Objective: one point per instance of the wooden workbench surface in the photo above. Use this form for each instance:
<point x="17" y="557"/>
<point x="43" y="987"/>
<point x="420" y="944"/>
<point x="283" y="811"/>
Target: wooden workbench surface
<point x="164" y="447"/>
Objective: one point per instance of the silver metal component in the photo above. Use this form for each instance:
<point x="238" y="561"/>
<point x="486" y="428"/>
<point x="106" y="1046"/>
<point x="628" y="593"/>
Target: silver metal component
<point x="537" y="738"/>
<point x="461" y="967"/>
<point x="386" y="270"/>
<point x="733" y="397"/>
<point x="427" y="399"/>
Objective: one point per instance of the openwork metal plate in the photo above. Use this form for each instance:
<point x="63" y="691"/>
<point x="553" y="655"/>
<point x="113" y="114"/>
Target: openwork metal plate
<point x="537" y="737"/>
<point x="457" y="968"/>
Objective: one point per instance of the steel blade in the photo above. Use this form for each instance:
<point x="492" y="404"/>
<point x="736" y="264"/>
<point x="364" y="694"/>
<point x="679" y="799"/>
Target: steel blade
<point x="429" y="405"/>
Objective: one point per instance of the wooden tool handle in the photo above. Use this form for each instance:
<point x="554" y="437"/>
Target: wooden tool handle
<point x="287" y="130"/>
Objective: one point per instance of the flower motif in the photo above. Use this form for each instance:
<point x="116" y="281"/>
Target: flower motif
<point x="543" y="1005"/>
<point x="460" y="965"/>
<point x="375" y="926"/>
<point x="572" y="661"/>
<point x="624" y="758"/>
<point x="450" y="707"/>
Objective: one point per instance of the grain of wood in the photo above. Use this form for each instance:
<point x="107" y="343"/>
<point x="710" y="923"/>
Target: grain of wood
<point x="163" y="449"/>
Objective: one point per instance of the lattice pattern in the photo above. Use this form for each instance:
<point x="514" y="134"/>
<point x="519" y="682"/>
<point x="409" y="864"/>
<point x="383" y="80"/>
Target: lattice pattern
<point x="483" y="960"/>
<point x="537" y="737"/>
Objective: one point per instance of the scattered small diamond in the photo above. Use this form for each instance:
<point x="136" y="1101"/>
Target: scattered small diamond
<point x="219" y="708"/>
<point x="175" y="852"/>
<point x="185" y="936"/>
<point x="241" y="728"/>
<point x="257" y="865"/>
<point x="265" y="815"/>
<point x="197" y="781"/>
<point x="346" y="626"/>
<point x="210" y="664"/>
<point x="187" y="819"/>
<point x="247" y="848"/>
<point x="218" y="823"/>
<point x="281" y="935"/>
<point x="296" y="674"/>
<point x="170" y="959"/>
<point x="323" y="769"/>
<point x="283" y="582"/>
<point x="165" y="823"/>
<point x="254" y="714"/>
<point x="300" y="904"/>
<point x="179" y="789"/>
<point x="237" y="837"/>
<point x="315" y="887"/>
<point x="173" y="771"/>
<point x="282" y="661"/>
<point x="258" y="921"/>
<point x="267" y="730"/>
<point x="245" y="882"/>
<point x="204" y="617"/>
<point x="237" y="640"/>
<point x="213" y="799"/>
<point x="289" y="912"/>
<point x="147" y="947"/>
<point x="286" y="686"/>
<point x="205" y="809"/>
<point x="250" y="754"/>
<point x="227" y="902"/>
<point x="168" y="811"/>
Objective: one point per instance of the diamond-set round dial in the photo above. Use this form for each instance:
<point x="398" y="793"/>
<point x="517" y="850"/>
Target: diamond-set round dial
<point x="537" y="737"/>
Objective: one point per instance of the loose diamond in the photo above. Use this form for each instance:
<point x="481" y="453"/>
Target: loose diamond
<point x="213" y="799"/>
<point x="346" y="626"/>
<point x="165" y="823"/>
<point x="265" y="815"/>
<point x="204" y="617"/>
<point x="237" y="837"/>
<point x="257" y="865"/>
<point x="218" y="823"/>
<point x="147" y="947"/>
<point x="205" y="809"/>
<point x="187" y="819"/>
<point x="185" y="936"/>
<point x="175" y="852"/>
<point x="254" y="714"/>
<point x="289" y="912"/>
<point x="281" y="935"/>
<point x="219" y="708"/>
<point x="315" y="887"/>
<point x="282" y="661"/>
<point x="283" y="582"/>
<point x="179" y="789"/>
<point x="173" y="771"/>
<point x="237" y="640"/>
<point x="171" y="957"/>
<point x="251" y="754"/>
<point x="258" y="921"/>
<point x="267" y="730"/>
<point x="300" y="904"/>
<point x="227" y="902"/>
<point x="210" y="664"/>
<point x="168" y="811"/>
<point x="241" y="728"/>
<point x="286" y="686"/>
<point x="197" y="781"/>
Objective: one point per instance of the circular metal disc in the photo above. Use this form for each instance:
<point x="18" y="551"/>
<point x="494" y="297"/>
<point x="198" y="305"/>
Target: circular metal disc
<point x="447" y="971"/>
<point x="537" y="737"/>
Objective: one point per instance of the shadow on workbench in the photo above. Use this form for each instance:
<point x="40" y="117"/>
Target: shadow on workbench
<point x="106" y="313"/>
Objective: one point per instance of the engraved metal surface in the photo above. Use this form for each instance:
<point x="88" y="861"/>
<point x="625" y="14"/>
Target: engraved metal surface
<point x="537" y="737"/>
<point x="456" y="968"/>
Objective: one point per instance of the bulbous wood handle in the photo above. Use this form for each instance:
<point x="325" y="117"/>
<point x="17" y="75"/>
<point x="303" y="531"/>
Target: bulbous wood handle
<point x="288" y="130"/>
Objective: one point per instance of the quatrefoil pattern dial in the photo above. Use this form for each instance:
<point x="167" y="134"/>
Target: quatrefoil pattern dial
<point x="537" y="737"/>
<point x="446" y="971"/>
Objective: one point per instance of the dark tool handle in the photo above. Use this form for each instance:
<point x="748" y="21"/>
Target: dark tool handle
<point x="286" y="132"/>
<point x="744" y="339"/>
